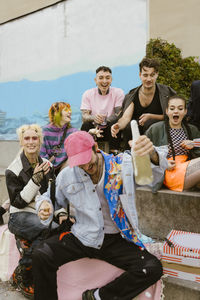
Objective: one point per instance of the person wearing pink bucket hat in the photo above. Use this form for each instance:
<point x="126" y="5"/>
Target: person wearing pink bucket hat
<point x="106" y="224"/>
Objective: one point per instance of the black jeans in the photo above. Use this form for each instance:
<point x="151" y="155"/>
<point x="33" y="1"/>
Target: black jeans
<point x="142" y="269"/>
<point x="114" y="143"/>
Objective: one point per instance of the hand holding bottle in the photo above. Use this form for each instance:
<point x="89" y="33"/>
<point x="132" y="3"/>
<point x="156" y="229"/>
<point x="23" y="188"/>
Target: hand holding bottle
<point x="143" y="146"/>
<point x="140" y="150"/>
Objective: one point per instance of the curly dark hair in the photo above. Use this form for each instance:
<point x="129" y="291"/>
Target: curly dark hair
<point x="149" y="63"/>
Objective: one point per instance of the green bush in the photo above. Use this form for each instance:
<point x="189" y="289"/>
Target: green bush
<point x="175" y="71"/>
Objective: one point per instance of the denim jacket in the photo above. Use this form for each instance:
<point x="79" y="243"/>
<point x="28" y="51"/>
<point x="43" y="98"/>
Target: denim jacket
<point x="75" y="186"/>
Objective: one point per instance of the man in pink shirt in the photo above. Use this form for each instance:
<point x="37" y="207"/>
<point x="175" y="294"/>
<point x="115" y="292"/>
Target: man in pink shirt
<point x="101" y="106"/>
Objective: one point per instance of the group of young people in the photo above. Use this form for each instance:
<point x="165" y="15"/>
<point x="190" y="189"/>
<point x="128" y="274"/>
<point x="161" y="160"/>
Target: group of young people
<point x="99" y="186"/>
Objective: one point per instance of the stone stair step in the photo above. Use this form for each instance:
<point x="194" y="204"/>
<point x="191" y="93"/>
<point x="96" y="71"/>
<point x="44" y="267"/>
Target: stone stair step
<point x="180" y="289"/>
<point x="166" y="210"/>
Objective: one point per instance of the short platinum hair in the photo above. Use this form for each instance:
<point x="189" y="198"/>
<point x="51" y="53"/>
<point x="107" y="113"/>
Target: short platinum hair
<point x="21" y="130"/>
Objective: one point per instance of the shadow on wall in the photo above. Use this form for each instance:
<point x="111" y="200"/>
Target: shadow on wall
<point x="26" y="102"/>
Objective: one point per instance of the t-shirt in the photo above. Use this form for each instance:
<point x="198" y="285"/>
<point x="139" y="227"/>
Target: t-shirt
<point x="100" y="104"/>
<point x="109" y="225"/>
<point x="153" y="108"/>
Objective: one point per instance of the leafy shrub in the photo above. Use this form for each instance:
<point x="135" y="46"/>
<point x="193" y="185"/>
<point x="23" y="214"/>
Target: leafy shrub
<point x="175" y="71"/>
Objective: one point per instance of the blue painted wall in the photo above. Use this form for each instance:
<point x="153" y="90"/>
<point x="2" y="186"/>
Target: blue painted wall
<point x="23" y="102"/>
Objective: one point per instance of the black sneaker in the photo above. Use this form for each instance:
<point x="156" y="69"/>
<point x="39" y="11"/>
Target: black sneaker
<point x="88" y="295"/>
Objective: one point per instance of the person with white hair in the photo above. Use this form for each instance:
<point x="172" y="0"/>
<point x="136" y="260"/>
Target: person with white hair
<point x="27" y="176"/>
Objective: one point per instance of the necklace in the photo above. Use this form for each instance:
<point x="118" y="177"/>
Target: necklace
<point x="33" y="163"/>
<point x="145" y="98"/>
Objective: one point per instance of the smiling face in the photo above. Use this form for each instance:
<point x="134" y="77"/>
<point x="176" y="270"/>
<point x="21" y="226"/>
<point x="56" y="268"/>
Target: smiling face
<point x="30" y="142"/>
<point x="103" y="81"/>
<point x="148" y="77"/>
<point x="65" y="116"/>
<point x="92" y="166"/>
<point x="176" y="111"/>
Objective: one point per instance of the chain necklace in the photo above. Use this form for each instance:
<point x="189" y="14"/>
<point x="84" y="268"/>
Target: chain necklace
<point x="145" y="98"/>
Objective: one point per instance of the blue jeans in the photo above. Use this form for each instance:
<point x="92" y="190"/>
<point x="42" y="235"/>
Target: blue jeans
<point x="25" y="225"/>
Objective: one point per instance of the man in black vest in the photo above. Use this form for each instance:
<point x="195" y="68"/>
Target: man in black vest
<point x="145" y="103"/>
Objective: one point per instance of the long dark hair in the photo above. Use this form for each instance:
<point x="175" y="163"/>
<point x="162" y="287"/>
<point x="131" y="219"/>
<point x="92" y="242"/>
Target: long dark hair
<point x="186" y="127"/>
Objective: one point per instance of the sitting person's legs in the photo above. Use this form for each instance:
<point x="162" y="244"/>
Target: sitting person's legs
<point x="27" y="228"/>
<point x="114" y="143"/>
<point x="192" y="176"/>
<point x="142" y="268"/>
<point x="25" y="225"/>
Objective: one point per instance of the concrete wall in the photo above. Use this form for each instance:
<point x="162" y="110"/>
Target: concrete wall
<point x="11" y="9"/>
<point x="51" y="55"/>
<point x="8" y="150"/>
<point x="177" y="22"/>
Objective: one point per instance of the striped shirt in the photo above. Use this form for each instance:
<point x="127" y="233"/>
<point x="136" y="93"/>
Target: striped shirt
<point x="52" y="136"/>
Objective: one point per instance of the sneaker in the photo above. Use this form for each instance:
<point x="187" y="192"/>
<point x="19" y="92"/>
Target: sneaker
<point x="88" y="295"/>
<point x="27" y="290"/>
<point x="22" y="280"/>
<point x="16" y="277"/>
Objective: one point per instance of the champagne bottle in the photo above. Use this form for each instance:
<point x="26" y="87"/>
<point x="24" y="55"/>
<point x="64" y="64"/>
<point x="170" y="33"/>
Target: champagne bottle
<point x="141" y="164"/>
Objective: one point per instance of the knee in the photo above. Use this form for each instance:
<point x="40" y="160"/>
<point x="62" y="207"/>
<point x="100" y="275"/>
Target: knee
<point x="42" y="254"/>
<point x="156" y="270"/>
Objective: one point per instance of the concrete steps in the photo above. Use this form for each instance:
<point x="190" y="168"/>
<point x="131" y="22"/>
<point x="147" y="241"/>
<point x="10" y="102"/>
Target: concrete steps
<point x="160" y="213"/>
<point x="179" y="289"/>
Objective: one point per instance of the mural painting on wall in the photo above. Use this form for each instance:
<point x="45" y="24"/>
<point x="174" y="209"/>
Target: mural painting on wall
<point x="51" y="55"/>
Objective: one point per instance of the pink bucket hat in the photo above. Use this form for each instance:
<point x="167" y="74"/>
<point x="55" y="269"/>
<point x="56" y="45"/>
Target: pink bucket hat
<point x="78" y="147"/>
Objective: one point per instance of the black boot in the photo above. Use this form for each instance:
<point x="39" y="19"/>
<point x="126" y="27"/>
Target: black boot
<point x="88" y="295"/>
<point x="2" y="212"/>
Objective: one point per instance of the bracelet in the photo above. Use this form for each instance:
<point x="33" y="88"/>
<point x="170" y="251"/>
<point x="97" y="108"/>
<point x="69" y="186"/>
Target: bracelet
<point x="37" y="177"/>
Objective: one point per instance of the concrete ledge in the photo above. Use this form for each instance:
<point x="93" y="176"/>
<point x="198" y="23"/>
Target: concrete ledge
<point x="2" y="171"/>
<point x="179" y="289"/>
<point x="3" y="189"/>
<point x="9" y="150"/>
<point x="160" y="213"/>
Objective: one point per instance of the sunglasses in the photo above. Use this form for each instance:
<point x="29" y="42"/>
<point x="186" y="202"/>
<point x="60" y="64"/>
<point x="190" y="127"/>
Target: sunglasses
<point x="28" y="138"/>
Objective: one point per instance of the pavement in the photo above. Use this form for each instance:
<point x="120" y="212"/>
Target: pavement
<point x="8" y="292"/>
